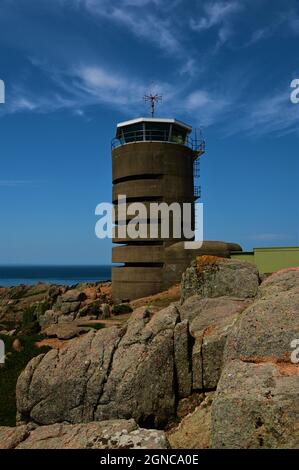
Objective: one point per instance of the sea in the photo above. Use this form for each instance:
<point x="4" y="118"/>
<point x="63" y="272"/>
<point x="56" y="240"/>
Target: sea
<point x="67" y="275"/>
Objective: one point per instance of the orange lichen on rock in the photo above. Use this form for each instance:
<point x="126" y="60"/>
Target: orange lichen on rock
<point x="54" y="343"/>
<point x="264" y="359"/>
<point x="287" y="369"/>
<point x="284" y="367"/>
<point x="206" y="260"/>
<point x="210" y="329"/>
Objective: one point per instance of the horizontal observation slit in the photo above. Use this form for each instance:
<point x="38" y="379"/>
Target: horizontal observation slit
<point x="144" y="176"/>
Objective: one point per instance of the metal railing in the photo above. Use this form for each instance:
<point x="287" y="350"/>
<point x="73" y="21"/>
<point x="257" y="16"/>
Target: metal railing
<point x="197" y="191"/>
<point x="196" y="168"/>
<point x="158" y="135"/>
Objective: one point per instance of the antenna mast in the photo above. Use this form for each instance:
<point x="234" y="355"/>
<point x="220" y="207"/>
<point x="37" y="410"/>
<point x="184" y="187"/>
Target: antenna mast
<point x="153" y="99"/>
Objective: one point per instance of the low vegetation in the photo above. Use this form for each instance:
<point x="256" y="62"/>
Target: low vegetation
<point x="14" y="364"/>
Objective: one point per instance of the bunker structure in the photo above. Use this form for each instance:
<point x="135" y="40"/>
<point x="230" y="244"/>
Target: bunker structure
<point x="154" y="160"/>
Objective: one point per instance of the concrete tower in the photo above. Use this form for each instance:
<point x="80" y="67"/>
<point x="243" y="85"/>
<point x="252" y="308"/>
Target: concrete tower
<point x="153" y="160"/>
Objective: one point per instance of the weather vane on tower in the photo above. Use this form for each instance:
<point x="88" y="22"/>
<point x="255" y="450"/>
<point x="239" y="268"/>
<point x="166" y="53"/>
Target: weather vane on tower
<point x="153" y="99"/>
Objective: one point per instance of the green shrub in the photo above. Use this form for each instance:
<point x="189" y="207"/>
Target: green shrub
<point x="10" y="371"/>
<point x="121" y="308"/>
<point x="96" y="326"/>
<point x="92" y="309"/>
<point x="30" y="324"/>
<point x="42" y="308"/>
<point x="29" y="315"/>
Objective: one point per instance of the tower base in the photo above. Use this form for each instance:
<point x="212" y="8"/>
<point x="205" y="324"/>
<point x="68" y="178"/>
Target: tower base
<point x="133" y="281"/>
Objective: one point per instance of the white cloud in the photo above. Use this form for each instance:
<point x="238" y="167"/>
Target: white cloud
<point x="85" y="81"/>
<point x="147" y="24"/>
<point x="288" y="21"/>
<point x="82" y="86"/>
<point x="190" y="68"/>
<point x="79" y="112"/>
<point x="23" y="99"/>
<point x="216" y="13"/>
<point x="140" y="3"/>
<point x="259" y="35"/>
<point x="206" y="108"/>
<point x="198" y="99"/>
<point x="24" y="104"/>
<point x="294" y="23"/>
<point x="107" y="87"/>
<point x="97" y="77"/>
<point x="272" y="114"/>
<point x="224" y="33"/>
<point x="227" y="105"/>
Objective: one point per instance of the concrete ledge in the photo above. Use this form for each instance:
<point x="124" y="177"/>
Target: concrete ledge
<point x="135" y="254"/>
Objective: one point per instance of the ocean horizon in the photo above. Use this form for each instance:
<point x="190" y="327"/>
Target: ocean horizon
<point x="15" y="275"/>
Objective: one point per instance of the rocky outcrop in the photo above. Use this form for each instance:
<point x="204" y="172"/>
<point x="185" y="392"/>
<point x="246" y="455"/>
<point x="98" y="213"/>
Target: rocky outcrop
<point x="65" y="385"/>
<point x="48" y="303"/>
<point x="82" y="301"/>
<point x="256" y="404"/>
<point x="10" y="438"/>
<point x="65" y="330"/>
<point x="16" y="301"/>
<point x="141" y="379"/>
<point x="182" y="359"/>
<point x="138" y="371"/>
<point x="210" y="322"/>
<point x="194" y="431"/>
<point x="239" y="344"/>
<point x="114" y="434"/>
<point x="112" y="373"/>
<point x="210" y="276"/>
<point x="284" y="280"/>
<point x="266" y="329"/>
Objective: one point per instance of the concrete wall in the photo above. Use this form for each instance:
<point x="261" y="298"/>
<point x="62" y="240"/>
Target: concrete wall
<point x="152" y="158"/>
<point x="130" y="283"/>
<point x="137" y="254"/>
<point x="269" y="260"/>
<point x="147" y="172"/>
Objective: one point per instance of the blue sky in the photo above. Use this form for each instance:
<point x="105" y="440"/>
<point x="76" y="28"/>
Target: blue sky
<point x="74" y="68"/>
